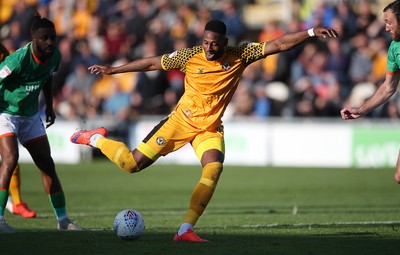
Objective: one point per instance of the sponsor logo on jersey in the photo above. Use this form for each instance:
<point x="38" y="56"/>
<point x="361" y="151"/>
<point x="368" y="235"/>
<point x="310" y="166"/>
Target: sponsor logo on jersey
<point x="31" y="88"/>
<point x="4" y="72"/>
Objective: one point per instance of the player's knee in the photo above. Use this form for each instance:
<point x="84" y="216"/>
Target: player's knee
<point x="211" y="173"/>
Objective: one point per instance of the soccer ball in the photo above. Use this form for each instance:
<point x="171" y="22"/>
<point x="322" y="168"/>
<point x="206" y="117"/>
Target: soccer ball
<point x="129" y="224"/>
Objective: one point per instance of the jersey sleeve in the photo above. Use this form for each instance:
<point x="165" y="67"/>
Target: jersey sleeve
<point x="392" y="66"/>
<point x="178" y="59"/>
<point x="250" y="52"/>
<point x="9" y="67"/>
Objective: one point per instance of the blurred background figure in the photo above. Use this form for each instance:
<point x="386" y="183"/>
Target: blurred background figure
<point x="318" y="75"/>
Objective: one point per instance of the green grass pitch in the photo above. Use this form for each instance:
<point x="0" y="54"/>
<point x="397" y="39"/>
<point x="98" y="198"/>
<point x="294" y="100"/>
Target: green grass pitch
<point x="255" y="210"/>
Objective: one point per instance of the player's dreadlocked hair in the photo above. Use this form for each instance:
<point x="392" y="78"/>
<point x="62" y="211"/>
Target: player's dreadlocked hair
<point x="395" y="7"/>
<point x="39" y="22"/>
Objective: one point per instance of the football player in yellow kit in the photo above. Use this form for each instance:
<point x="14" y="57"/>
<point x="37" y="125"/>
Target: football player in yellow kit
<point x="212" y="72"/>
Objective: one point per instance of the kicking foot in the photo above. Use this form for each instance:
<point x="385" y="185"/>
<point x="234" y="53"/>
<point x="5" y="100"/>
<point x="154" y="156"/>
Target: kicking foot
<point x="83" y="136"/>
<point x="189" y="236"/>
<point x="23" y="210"/>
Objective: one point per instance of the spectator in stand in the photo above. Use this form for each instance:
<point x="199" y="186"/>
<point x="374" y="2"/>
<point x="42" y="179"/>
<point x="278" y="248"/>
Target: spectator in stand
<point x="338" y="64"/>
<point x="95" y="40"/>
<point x="378" y="47"/>
<point x="23" y="14"/>
<point x="66" y="67"/>
<point x="304" y="98"/>
<point x="360" y="66"/>
<point x="196" y="29"/>
<point x="161" y="36"/>
<point x="81" y="18"/>
<point x="118" y="106"/>
<point x="365" y="16"/>
<point x="151" y="86"/>
<point x="300" y="64"/>
<point x="116" y="40"/>
<point x="60" y="12"/>
<point x="270" y="31"/>
<point x="83" y="54"/>
<point x="244" y="100"/>
<point x="346" y="14"/>
<point x="230" y="15"/>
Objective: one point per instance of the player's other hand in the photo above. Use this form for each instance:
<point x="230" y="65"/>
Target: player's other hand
<point x="100" y="69"/>
<point x="351" y="113"/>
<point x="325" y="32"/>
<point x="50" y="116"/>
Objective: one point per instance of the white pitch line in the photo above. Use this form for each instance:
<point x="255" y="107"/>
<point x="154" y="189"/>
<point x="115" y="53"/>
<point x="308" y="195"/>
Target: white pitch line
<point x="332" y="224"/>
<point x="296" y="225"/>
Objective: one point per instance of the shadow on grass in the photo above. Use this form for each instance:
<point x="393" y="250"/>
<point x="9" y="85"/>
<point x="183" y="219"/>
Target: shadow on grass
<point x="155" y="242"/>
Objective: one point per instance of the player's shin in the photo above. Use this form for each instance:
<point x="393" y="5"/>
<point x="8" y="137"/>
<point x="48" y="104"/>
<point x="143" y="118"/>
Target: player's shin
<point x="203" y="192"/>
<point x="118" y="153"/>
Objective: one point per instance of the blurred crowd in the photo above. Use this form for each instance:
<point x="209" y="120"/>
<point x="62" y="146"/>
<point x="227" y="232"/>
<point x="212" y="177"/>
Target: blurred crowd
<point x="313" y="80"/>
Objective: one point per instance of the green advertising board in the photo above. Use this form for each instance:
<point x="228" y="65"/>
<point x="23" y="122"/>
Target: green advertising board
<point x="375" y="147"/>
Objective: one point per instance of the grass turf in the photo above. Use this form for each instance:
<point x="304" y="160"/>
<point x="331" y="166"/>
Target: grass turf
<point x="254" y="210"/>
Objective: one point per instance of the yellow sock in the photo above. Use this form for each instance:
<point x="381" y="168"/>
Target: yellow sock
<point x="203" y="192"/>
<point x="118" y="153"/>
<point x="15" y="185"/>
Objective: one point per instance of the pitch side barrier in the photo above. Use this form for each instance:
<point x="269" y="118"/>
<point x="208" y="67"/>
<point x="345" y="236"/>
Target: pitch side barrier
<point x="294" y="142"/>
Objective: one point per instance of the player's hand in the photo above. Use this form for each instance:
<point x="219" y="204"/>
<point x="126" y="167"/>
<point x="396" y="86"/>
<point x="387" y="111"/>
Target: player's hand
<point x="50" y="117"/>
<point x="100" y="69"/>
<point x="351" y="113"/>
<point x="325" y="32"/>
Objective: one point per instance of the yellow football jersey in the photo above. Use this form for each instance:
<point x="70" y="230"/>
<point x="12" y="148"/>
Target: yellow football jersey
<point x="209" y="85"/>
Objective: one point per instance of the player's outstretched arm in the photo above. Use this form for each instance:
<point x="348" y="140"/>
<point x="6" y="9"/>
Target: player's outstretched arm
<point x="288" y="41"/>
<point x="381" y="95"/>
<point x="140" y="65"/>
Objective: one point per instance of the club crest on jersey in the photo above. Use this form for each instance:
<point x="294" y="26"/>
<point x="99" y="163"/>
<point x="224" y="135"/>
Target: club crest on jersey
<point x="160" y="140"/>
<point x="226" y="66"/>
<point x="4" y="72"/>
